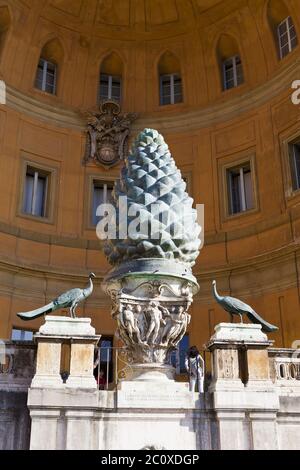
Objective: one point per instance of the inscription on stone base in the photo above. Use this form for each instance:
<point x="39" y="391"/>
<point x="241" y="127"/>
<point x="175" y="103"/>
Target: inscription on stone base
<point x="176" y="396"/>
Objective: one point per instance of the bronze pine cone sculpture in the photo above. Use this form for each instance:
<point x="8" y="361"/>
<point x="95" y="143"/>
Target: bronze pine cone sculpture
<point x="150" y="178"/>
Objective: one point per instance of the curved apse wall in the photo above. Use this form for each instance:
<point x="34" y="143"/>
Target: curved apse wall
<point x="216" y="132"/>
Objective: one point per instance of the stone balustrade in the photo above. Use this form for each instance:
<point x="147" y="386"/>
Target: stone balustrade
<point x="253" y="387"/>
<point x="17" y="366"/>
<point x="285" y="366"/>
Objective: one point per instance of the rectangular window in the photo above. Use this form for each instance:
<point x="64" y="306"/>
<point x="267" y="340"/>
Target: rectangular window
<point x="46" y="76"/>
<point x="294" y="154"/>
<point x="287" y="37"/>
<point x="35" y="192"/>
<point x="178" y="356"/>
<point x="101" y="195"/>
<point x="170" y="89"/>
<point x="232" y="72"/>
<point x="240" y="190"/>
<point x="110" y="87"/>
<point x="21" y="335"/>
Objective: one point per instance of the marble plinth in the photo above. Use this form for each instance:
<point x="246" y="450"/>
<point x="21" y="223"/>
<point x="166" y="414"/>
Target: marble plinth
<point x="66" y="326"/>
<point x="80" y="337"/>
<point x="239" y="332"/>
<point x="155" y="395"/>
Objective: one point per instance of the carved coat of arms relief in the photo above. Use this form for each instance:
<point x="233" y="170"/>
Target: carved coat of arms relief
<point x="107" y="134"/>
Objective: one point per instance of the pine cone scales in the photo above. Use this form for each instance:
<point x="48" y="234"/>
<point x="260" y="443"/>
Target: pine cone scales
<point x="156" y="194"/>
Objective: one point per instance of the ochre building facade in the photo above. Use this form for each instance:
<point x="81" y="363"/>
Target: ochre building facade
<point x="253" y="254"/>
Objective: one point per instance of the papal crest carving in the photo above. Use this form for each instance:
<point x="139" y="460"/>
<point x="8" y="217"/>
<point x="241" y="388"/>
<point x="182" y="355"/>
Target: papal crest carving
<point x="107" y="134"/>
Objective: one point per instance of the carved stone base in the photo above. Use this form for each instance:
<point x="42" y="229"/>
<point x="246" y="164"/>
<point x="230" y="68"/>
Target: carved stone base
<point x="151" y="310"/>
<point x="239" y="332"/>
<point x="239" y="357"/>
<point x="152" y="372"/>
<point x="155" y="394"/>
<point x="80" y="336"/>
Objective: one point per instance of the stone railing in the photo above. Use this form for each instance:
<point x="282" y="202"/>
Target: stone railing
<point x="285" y="366"/>
<point x="17" y="364"/>
<point x="17" y="367"/>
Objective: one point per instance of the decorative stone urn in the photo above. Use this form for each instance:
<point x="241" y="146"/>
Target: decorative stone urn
<point x="151" y="283"/>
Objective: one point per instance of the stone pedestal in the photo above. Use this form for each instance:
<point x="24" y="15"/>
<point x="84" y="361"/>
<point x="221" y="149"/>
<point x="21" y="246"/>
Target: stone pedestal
<point x="48" y="363"/>
<point x="239" y="332"/>
<point x="243" y="409"/>
<point x="150" y="373"/>
<point x="80" y="335"/>
<point x="137" y="417"/>
<point x="44" y="427"/>
<point x="226" y="371"/>
<point x="245" y="400"/>
<point x="155" y="395"/>
<point x="258" y="367"/>
<point x="151" y="299"/>
<point x="239" y="356"/>
<point x="82" y="362"/>
<point x="47" y="429"/>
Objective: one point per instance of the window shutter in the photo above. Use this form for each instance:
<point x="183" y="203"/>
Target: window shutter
<point x="28" y="194"/>
<point x="248" y="190"/>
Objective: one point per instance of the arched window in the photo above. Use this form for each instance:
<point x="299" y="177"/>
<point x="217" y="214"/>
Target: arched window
<point x="5" y="21"/>
<point x="47" y="70"/>
<point x="230" y="61"/>
<point x="110" y="83"/>
<point x="282" y="27"/>
<point x="170" y="83"/>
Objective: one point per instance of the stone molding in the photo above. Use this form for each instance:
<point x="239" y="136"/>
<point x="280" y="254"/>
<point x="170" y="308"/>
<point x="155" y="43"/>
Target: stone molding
<point x="210" y="238"/>
<point x="288" y="254"/>
<point x="218" y="112"/>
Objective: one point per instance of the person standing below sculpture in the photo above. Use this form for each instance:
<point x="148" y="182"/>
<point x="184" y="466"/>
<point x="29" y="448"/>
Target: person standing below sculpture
<point x="194" y="365"/>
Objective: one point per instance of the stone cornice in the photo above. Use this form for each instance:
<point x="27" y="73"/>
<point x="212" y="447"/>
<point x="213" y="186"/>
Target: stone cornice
<point x="260" y="262"/>
<point x="51" y="114"/>
<point x="224" y="111"/>
<point x="70" y="118"/>
<point x="93" y="244"/>
<point x="266" y="266"/>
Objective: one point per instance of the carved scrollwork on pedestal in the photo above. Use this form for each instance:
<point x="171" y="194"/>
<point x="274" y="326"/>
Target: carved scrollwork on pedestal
<point x="155" y="288"/>
<point x="158" y="288"/>
<point x="125" y="360"/>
